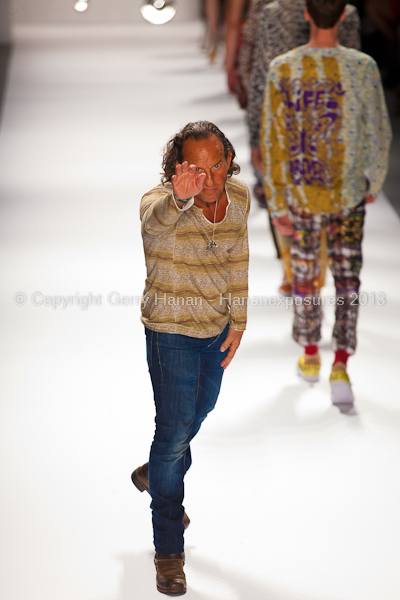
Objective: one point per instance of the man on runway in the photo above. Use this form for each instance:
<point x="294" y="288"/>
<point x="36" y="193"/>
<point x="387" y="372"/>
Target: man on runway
<point x="194" y="228"/>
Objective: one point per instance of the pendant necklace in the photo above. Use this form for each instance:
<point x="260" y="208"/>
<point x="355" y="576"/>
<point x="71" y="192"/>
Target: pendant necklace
<point x="211" y="242"/>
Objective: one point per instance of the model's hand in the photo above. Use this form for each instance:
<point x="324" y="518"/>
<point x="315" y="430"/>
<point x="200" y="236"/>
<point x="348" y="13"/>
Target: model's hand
<point x="232" y="341"/>
<point x="233" y="79"/>
<point x="370" y="198"/>
<point x="256" y="158"/>
<point x="283" y="225"/>
<point x="187" y="182"/>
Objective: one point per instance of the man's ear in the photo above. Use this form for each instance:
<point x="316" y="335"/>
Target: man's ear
<point x="307" y="15"/>
<point x="343" y="16"/>
<point x="229" y="159"/>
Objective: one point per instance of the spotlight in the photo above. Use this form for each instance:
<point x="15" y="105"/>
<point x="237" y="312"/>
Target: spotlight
<point x="81" y="5"/>
<point x="158" y="12"/>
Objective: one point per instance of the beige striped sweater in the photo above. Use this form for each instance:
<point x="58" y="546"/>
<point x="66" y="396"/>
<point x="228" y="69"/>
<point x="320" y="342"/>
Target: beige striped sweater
<point x="191" y="289"/>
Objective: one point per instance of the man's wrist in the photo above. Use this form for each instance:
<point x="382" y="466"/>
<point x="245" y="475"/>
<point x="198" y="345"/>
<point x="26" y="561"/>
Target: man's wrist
<point x="183" y="201"/>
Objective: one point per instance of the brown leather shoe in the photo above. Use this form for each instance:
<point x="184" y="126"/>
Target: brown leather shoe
<point x="171" y="579"/>
<point x="140" y="479"/>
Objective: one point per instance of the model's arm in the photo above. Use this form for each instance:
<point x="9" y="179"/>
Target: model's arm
<point x="270" y="43"/>
<point x="234" y="11"/>
<point x="247" y="49"/>
<point x="274" y="146"/>
<point x="349" y="29"/>
<point x="257" y="82"/>
<point x="379" y="132"/>
<point x="246" y="55"/>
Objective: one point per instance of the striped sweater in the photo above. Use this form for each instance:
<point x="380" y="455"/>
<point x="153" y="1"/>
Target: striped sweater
<point x="191" y="289"/>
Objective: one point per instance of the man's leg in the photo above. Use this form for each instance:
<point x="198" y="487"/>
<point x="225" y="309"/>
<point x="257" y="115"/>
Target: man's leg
<point x="186" y="375"/>
<point x="345" y="233"/>
<point x="174" y="366"/>
<point x="305" y="254"/>
<point x="208" y="384"/>
<point x="284" y="244"/>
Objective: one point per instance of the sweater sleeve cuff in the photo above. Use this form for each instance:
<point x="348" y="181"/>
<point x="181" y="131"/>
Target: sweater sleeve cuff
<point x="187" y="204"/>
<point x="237" y="327"/>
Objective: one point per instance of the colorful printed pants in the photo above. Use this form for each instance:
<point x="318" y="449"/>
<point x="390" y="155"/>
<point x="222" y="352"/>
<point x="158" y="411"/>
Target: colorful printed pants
<point x="344" y="232"/>
<point x="285" y="244"/>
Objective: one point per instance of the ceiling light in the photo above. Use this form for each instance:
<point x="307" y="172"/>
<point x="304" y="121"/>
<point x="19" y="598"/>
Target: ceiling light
<point x="158" y="12"/>
<point x="81" y="5"/>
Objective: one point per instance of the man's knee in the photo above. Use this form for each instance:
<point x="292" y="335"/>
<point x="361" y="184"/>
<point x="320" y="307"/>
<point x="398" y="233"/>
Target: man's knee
<point x="171" y="442"/>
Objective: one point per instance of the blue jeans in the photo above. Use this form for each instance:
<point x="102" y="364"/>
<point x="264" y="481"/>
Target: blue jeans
<point x="186" y="374"/>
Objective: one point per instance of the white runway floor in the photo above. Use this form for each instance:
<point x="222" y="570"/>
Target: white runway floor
<point x="289" y="498"/>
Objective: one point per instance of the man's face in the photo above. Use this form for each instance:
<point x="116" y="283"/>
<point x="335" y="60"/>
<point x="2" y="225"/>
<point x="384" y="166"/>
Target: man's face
<point x="209" y="157"/>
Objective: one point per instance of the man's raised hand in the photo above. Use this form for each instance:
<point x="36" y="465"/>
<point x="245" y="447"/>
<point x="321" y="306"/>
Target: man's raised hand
<point x="187" y="182"/>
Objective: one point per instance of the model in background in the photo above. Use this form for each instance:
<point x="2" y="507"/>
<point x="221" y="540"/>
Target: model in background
<point x="249" y="40"/>
<point x="281" y="27"/>
<point x="194" y="228"/>
<point x="241" y="28"/>
<point x="235" y="19"/>
<point x="326" y="137"/>
<point x="214" y="18"/>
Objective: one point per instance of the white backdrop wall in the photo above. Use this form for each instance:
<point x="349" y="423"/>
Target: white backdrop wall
<point x="102" y="12"/>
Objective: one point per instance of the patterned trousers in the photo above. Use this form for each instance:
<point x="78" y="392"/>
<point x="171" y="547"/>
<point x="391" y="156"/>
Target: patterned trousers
<point x="344" y="232"/>
<point x="285" y="244"/>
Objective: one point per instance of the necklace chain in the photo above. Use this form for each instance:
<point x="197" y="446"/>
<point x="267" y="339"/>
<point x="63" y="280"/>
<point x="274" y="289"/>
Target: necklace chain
<point x="211" y="242"/>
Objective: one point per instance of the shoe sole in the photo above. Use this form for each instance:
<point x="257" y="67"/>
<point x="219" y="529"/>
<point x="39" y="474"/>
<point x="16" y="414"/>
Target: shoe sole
<point x="309" y="378"/>
<point x="171" y="593"/>
<point x="341" y="393"/>
<point x="137" y="483"/>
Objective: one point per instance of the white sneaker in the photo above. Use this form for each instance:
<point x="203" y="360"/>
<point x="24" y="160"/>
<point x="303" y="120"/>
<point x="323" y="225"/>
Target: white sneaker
<point x="341" y="388"/>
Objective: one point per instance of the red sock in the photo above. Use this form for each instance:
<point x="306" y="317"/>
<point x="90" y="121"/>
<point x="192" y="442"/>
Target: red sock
<point x="311" y="349"/>
<point x="341" y="356"/>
